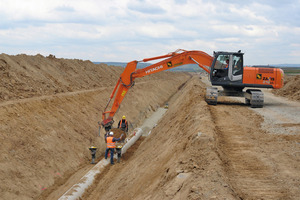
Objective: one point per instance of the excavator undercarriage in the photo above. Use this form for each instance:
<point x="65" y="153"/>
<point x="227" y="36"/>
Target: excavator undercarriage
<point x="253" y="97"/>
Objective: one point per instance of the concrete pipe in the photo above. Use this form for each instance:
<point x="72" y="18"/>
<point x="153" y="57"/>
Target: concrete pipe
<point x="77" y="190"/>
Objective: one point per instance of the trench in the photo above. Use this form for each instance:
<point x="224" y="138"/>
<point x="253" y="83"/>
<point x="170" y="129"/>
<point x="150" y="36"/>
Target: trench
<point x="78" y="189"/>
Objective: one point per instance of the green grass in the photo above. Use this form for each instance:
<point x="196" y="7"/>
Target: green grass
<point x="291" y="70"/>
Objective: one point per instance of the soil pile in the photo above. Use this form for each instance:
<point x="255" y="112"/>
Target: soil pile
<point x="25" y="76"/>
<point x="198" y="151"/>
<point x="291" y="88"/>
<point x="50" y="110"/>
<point x="118" y="133"/>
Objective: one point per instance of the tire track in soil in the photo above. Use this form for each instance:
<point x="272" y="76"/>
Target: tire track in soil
<point x="240" y="145"/>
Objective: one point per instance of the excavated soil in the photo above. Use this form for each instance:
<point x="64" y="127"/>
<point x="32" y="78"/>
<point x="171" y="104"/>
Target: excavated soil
<point x="118" y="133"/>
<point x="291" y="88"/>
<point x="206" y="152"/>
<point x="50" y="110"/>
<point x="196" y="151"/>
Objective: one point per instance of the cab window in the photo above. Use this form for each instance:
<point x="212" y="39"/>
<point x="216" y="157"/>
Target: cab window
<point x="222" y="62"/>
<point x="237" y="65"/>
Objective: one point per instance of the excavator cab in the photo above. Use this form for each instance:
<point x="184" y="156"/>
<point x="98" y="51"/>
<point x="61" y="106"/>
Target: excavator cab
<point x="227" y="69"/>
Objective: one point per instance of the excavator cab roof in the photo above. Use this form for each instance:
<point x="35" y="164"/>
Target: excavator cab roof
<point x="216" y="53"/>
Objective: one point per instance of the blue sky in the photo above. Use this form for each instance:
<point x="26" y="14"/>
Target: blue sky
<point x="267" y="31"/>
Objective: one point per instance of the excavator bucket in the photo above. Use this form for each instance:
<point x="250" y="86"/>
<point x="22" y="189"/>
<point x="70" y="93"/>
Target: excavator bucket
<point x="107" y="124"/>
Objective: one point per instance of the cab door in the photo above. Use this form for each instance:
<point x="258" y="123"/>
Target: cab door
<point x="235" y="71"/>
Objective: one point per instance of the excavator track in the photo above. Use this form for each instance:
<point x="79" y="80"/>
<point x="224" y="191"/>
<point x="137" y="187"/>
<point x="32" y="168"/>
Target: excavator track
<point x="211" y="96"/>
<point x="254" y="98"/>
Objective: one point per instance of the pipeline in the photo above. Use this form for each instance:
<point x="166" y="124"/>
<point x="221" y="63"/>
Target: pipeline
<point x="77" y="190"/>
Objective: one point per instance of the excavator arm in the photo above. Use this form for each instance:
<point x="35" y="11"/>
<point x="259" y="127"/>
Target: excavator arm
<point x="126" y="80"/>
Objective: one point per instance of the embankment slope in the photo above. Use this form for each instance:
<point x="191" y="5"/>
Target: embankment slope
<point x="199" y="151"/>
<point x="49" y="112"/>
<point x="291" y="88"/>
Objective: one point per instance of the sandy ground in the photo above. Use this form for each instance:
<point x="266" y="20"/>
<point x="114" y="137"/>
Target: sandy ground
<point x="49" y="111"/>
<point x="207" y="152"/>
<point x="291" y="88"/>
<point x="281" y="116"/>
<point x="152" y="121"/>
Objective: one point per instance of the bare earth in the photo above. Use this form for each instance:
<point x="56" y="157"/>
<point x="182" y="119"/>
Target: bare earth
<point x="207" y="152"/>
<point x="196" y="151"/>
<point x="50" y="110"/>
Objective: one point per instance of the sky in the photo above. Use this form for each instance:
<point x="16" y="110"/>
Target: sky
<point x="267" y="31"/>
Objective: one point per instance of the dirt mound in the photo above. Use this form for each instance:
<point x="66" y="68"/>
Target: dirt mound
<point x="118" y="132"/>
<point x="198" y="151"/>
<point x="50" y="109"/>
<point x="25" y="76"/>
<point x="291" y="88"/>
<point x="177" y="161"/>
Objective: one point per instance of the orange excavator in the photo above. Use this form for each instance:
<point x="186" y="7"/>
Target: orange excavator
<point x="225" y="69"/>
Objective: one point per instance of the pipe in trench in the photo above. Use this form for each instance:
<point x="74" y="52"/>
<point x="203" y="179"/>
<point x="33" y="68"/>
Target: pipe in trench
<point x="77" y="190"/>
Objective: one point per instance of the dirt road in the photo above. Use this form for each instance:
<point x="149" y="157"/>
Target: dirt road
<point x="281" y="116"/>
<point x="259" y="164"/>
<point x="208" y="152"/>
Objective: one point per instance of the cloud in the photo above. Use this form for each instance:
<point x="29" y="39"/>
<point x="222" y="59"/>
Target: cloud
<point x="143" y="8"/>
<point x="65" y="8"/>
<point x="126" y="30"/>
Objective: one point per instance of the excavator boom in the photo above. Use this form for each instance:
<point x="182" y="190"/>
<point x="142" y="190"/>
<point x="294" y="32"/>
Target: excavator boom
<point x="171" y="60"/>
